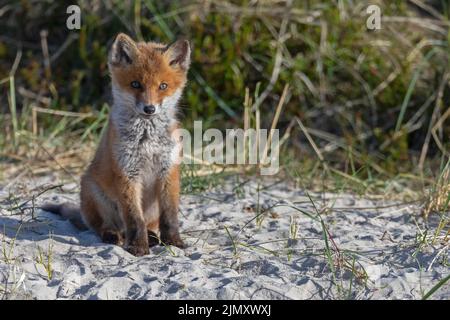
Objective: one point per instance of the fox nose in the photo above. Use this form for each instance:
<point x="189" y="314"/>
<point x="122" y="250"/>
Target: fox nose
<point x="149" y="109"/>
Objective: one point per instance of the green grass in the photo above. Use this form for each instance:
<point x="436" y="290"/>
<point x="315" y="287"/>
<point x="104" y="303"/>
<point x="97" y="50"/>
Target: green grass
<point x="44" y="258"/>
<point x="8" y="248"/>
<point x="436" y="287"/>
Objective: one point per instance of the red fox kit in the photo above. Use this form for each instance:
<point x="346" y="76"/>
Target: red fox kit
<point x="131" y="188"/>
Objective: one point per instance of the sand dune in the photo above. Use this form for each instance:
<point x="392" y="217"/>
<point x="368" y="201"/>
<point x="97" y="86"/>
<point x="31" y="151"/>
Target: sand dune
<point x="232" y="253"/>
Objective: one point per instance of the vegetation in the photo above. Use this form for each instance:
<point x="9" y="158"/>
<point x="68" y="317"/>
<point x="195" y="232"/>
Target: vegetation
<point x="370" y="105"/>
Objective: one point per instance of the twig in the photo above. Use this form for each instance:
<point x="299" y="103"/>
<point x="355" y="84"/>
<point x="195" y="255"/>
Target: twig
<point x="33" y="198"/>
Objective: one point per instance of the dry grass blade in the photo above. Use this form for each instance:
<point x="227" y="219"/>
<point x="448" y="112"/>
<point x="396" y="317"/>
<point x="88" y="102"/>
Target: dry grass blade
<point x="439" y="198"/>
<point x="275" y="119"/>
<point x="311" y="141"/>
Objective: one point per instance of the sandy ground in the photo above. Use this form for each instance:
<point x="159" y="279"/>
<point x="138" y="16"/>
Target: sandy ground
<point x="376" y="250"/>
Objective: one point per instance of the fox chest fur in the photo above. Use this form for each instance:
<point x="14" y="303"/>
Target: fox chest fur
<point x="146" y="149"/>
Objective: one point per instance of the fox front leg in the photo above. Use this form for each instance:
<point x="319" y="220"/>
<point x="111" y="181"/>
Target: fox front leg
<point x="136" y="237"/>
<point x="169" y="201"/>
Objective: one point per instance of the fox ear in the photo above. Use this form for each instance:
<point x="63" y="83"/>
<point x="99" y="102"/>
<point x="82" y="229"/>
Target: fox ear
<point x="123" y="50"/>
<point x="179" y="54"/>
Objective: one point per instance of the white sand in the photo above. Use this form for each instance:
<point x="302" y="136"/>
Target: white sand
<point x="267" y="263"/>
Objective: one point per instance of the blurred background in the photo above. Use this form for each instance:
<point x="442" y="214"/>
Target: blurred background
<point x="360" y="106"/>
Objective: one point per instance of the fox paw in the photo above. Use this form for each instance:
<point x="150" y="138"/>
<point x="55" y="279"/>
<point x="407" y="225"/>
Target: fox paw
<point x="112" y="237"/>
<point x="173" y="241"/>
<point x="138" y="251"/>
<point x="138" y="247"/>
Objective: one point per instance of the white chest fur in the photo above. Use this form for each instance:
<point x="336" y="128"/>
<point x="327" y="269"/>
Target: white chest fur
<point x="146" y="149"/>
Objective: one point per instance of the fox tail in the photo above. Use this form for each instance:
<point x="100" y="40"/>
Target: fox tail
<point x="67" y="210"/>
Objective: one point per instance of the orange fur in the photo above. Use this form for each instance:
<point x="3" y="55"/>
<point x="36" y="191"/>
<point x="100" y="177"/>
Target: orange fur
<point x="106" y="189"/>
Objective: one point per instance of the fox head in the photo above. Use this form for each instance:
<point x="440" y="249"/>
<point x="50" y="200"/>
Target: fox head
<point x="148" y="78"/>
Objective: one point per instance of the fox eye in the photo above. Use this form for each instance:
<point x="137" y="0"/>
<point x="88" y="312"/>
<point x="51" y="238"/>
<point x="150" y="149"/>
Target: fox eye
<point x="163" y="86"/>
<point x="135" y="84"/>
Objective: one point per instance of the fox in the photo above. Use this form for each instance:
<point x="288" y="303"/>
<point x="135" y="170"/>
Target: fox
<point x="130" y="192"/>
